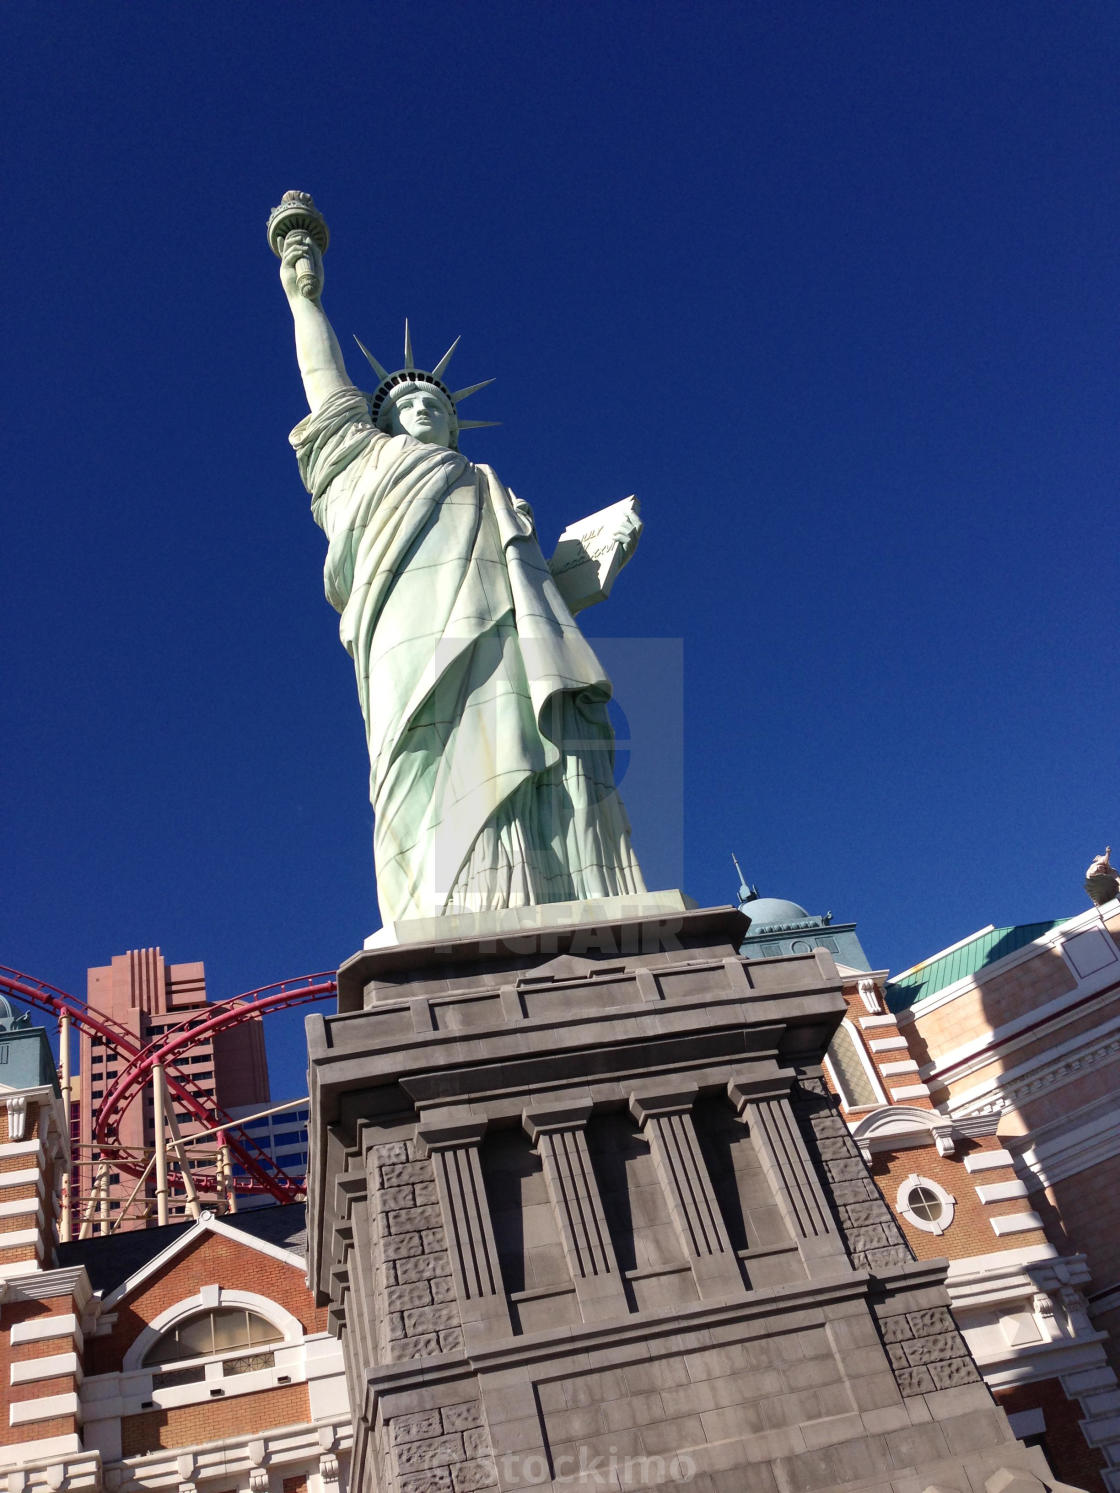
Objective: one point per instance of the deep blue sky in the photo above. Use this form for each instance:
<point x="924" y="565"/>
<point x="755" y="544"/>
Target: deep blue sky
<point x="832" y="287"/>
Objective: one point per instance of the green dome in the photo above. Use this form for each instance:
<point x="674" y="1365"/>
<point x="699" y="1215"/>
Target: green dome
<point x="765" y="911"/>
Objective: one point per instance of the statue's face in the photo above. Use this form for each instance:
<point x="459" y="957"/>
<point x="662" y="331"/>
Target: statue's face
<point x="422" y="414"/>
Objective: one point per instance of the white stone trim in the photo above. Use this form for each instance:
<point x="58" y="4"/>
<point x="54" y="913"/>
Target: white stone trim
<point x="16" y="1105"/>
<point x="10" y="1148"/>
<point x="1086" y="1381"/>
<point x="1000" y="1192"/>
<point x="911" y="1091"/>
<point x="315" y="1360"/>
<point x="25" y="1176"/>
<point x="870" y="994"/>
<point x="20" y="1238"/>
<point x="1051" y="1069"/>
<point x="1075" y="1143"/>
<point x="893" y="1127"/>
<point x="28" y="1370"/>
<point x="872" y="1023"/>
<point x="896" y="1070"/>
<point x="1015" y="1223"/>
<point x="984" y="1161"/>
<point x="889" y="1044"/>
<point x="980" y="1271"/>
<point x="285" y="1448"/>
<point x="70" y="1282"/>
<point x="868" y="1067"/>
<point x="1106" y="1301"/>
<point x="26" y="1412"/>
<point x="206" y="1223"/>
<point x="998" y="1045"/>
<point x="927" y="1225"/>
<point x="1090" y="918"/>
<point x="1097" y="982"/>
<point x="15" y="1206"/>
<point x="1027" y="1423"/>
<point x="1107" y="955"/>
<point x="65" y="1324"/>
<point x="52" y="1450"/>
<point x="948" y="949"/>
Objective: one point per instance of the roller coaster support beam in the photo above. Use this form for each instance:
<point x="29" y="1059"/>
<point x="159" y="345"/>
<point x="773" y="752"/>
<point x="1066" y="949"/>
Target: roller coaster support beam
<point x="141" y="1179"/>
<point x="94" y="1198"/>
<point x="226" y="1165"/>
<point x="194" y="1207"/>
<point x="67" y="1108"/>
<point x="159" y="1105"/>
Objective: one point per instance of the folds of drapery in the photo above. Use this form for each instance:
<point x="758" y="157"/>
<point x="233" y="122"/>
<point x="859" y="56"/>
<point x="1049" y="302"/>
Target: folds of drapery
<point x="491" y="756"/>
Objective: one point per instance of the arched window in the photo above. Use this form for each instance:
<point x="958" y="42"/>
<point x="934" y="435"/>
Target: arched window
<point x="851" y="1071"/>
<point x="240" y="1338"/>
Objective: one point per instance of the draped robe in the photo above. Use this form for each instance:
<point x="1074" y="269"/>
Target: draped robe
<point x="491" y="754"/>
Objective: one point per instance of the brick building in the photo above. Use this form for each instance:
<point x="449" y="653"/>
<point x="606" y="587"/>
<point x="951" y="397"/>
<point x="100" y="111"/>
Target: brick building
<point x="175" y="1358"/>
<point x="164" y="1359"/>
<point x="980" y="1086"/>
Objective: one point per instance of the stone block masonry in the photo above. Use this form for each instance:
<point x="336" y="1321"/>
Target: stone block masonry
<point x="583" y="1212"/>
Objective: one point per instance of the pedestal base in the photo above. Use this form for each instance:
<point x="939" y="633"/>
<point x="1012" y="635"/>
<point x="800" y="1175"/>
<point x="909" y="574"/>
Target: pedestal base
<point x="584" y="1213"/>
<point x="514" y="920"/>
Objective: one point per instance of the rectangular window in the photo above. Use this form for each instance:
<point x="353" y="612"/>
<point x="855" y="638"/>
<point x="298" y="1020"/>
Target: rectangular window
<point x="248" y="1363"/>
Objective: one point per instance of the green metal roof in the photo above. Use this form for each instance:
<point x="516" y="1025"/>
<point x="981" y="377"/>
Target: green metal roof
<point x="966" y="959"/>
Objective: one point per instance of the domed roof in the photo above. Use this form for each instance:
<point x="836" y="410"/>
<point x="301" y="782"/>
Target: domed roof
<point x="763" y="911"/>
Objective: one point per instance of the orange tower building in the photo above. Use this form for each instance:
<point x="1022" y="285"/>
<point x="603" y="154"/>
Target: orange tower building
<point x="143" y="993"/>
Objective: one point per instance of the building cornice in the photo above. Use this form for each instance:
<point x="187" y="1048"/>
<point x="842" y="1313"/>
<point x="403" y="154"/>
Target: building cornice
<point x="1053" y="939"/>
<point x="1048" y="1070"/>
<point x="280" y="1446"/>
<point x="42" y="1285"/>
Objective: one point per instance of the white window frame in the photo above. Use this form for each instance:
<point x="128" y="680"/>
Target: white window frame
<point x="209" y="1298"/>
<point x="927" y="1225"/>
<point x="869" y="1066"/>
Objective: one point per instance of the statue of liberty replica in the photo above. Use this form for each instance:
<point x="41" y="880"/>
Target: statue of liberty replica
<point x="491" y="753"/>
<point x="579" y="1201"/>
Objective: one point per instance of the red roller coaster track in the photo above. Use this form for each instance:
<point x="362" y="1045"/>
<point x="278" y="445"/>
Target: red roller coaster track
<point x="262" y="1175"/>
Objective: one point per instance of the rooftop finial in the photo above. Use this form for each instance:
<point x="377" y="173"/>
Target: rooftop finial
<point x="746" y="893"/>
<point x="1101" y="880"/>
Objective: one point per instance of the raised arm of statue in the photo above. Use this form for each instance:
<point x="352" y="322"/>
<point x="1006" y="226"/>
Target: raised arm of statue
<point x="320" y="357"/>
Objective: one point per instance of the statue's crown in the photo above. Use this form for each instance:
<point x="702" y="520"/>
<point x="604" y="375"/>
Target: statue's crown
<point x="410" y="374"/>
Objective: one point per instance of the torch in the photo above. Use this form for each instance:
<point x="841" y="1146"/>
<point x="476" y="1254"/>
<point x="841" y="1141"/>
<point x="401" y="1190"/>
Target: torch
<point x="297" y="210"/>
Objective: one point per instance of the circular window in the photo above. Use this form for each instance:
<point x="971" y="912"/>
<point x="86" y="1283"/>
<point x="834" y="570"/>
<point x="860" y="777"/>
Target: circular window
<point x="925" y="1204"/>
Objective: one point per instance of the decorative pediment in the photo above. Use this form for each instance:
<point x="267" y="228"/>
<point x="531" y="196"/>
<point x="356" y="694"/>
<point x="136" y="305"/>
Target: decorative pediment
<point x="899" y="1126"/>
<point x="207" y="1223"/>
<point x="563" y="967"/>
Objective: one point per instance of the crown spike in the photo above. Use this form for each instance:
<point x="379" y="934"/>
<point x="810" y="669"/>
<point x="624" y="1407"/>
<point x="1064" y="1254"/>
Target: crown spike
<point x="382" y="373"/>
<point x="408" y="363"/>
<point x="439" y="369"/>
<point x="471" y="389"/>
<point x="476" y="424"/>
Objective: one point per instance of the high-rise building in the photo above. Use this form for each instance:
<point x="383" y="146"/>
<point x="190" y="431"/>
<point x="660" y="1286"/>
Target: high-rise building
<point x="145" y="995"/>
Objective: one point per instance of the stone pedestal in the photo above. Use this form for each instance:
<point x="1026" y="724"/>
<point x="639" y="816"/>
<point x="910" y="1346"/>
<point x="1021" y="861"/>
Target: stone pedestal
<point x="586" y="1216"/>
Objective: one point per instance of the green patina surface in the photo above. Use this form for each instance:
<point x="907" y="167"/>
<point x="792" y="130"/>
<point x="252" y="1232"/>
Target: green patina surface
<point x="986" y="948"/>
<point x="26" y="1060"/>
